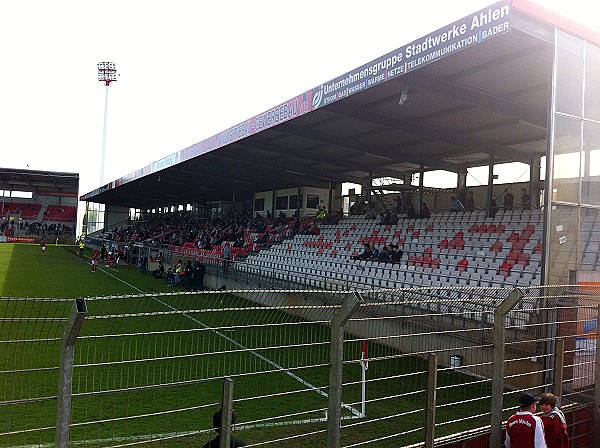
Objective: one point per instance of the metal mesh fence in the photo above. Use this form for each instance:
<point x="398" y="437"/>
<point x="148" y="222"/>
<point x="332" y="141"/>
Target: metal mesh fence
<point x="418" y="364"/>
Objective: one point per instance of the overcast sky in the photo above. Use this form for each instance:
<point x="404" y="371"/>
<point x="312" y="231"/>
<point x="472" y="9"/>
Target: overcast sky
<point x="188" y="69"/>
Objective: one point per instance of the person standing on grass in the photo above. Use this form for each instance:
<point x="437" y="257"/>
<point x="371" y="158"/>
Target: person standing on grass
<point x="226" y="257"/>
<point x="95" y="257"/>
<point x="188" y="278"/>
<point x="199" y="272"/>
<point x="555" y="424"/>
<point x="43" y="246"/>
<point x="523" y="429"/>
<point x="215" y="443"/>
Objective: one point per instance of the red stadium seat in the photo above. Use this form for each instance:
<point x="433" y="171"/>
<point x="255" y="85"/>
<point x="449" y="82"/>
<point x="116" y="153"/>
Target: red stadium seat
<point x="523" y="259"/>
<point x="505" y="269"/>
<point x="496" y="247"/>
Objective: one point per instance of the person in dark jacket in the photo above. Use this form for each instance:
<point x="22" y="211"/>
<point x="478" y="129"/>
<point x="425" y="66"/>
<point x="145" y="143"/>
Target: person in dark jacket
<point x="214" y="443"/>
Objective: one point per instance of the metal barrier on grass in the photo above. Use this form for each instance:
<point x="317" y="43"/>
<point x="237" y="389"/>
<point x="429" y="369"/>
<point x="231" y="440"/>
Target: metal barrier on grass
<point x="408" y="367"/>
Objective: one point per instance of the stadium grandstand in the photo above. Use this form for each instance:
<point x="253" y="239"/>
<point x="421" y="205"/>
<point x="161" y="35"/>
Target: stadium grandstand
<point x="490" y="289"/>
<point x="38" y="205"/>
<point x="497" y="87"/>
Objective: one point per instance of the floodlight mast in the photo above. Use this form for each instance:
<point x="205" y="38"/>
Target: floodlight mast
<point x="107" y="73"/>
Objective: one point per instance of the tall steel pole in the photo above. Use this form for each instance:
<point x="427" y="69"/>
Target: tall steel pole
<point x="107" y="73"/>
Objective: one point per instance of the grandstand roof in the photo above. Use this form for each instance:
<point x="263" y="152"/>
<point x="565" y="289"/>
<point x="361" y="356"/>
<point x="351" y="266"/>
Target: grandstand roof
<point x="16" y="179"/>
<point x="449" y="100"/>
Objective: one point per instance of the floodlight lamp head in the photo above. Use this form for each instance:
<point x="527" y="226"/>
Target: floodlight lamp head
<point x="107" y="72"/>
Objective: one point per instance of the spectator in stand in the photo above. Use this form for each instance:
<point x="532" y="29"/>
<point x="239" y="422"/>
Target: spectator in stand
<point x="357" y="208"/>
<point x="384" y="256"/>
<point x="470" y="202"/>
<point x="424" y="212"/>
<point x="375" y="256"/>
<point x="396" y="253"/>
<point x="370" y="213"/>
<point x="494" y="207"/>
<point x="525" y="199"/>
<point x="555" y="424"/>
<point x="366" y="253"/>
<point x="313" y="230"/>
<point x="321" y="213"/>
<point x="456" y="205"/>
<point x="385" y="218"/>
<point x="410" y="211"/>
<point x="509" y="200"/>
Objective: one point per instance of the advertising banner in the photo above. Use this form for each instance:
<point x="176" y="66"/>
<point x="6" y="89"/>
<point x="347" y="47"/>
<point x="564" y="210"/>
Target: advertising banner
<point x="464" y="33"/>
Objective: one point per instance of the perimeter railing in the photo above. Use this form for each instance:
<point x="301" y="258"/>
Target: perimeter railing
<point x="407" y="367"/>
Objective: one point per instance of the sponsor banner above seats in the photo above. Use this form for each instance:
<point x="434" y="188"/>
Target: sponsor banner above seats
<point x="464" y="33"/>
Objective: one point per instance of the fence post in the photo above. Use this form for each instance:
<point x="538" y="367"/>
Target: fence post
<point x="65" y="386"/>
<point x="431" y="400"/>
<point x="597" y="390"/>
<point x="226" y="413"/>
<point x="336" y="355"/>
<point x="559" y="364"/>
<point x="498" y="364"/>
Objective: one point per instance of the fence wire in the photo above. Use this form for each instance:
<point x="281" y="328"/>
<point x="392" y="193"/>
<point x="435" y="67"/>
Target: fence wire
<point x="148" y="368"/>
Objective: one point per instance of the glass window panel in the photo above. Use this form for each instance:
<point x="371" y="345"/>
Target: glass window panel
<point x="281" y="203"/>
<point x="563" y="253"/>
<point x="590" y="186"/>
<point x="592" y="75"/>
<point x="569" y="74"/>
<point x="259" y="205"/>
<point x="567" y="159"/>
<point x="294" y="202"/>
<point x="312" y="201"/>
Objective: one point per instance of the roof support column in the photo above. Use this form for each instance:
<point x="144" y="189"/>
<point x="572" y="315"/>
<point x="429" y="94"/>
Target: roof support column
<point x="299" y="202"/>
<point x="461" y="185"/>
<point x="535" y="185"/>
<point x="407" y="180"/>
<point x="490" y="187"/>
<point x="330" y="198"/>
<point x="421" y="175"/>
<point x="365" y="192"/>
<point x="273" y="196"/>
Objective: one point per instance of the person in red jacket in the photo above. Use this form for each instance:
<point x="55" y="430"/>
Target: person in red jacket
<point x="555" y="424"/>
<point x="523" y="429"/>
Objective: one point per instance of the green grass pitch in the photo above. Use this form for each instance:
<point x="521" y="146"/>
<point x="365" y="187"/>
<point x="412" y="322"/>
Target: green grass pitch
<point x="143" y="369"/>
